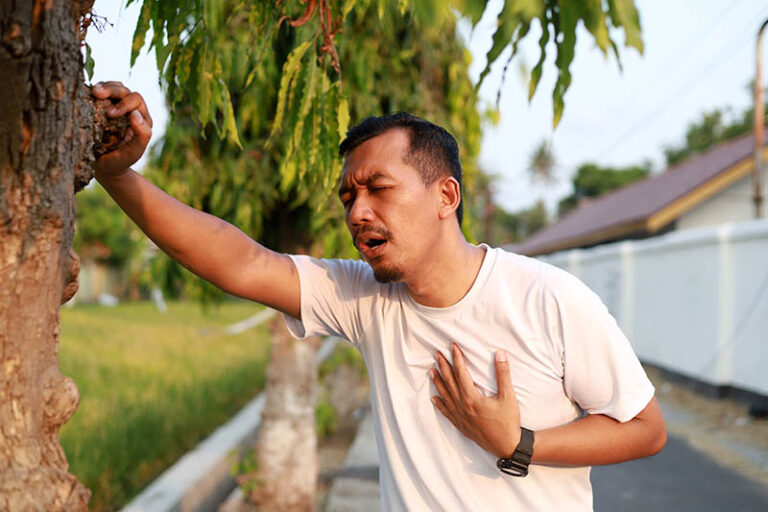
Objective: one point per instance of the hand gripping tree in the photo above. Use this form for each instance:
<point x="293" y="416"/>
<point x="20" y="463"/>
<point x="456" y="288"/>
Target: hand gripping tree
<point x="51" y="130"/>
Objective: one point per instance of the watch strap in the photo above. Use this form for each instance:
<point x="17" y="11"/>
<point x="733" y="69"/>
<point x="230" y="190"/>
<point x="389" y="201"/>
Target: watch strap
<point x="517" y="464"/>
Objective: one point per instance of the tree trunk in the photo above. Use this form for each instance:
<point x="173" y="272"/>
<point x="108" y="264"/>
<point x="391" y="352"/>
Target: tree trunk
<point x="45" y="139"/>
<point x="286" y="449"/>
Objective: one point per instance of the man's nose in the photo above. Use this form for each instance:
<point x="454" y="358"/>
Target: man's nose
<point x="360" y="211"/>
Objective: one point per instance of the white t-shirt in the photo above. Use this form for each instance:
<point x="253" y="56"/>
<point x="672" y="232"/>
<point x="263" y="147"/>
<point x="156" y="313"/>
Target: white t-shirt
<point x="566" y="353"/>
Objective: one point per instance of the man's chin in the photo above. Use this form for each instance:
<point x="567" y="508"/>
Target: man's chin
<point x="386" y="274"/>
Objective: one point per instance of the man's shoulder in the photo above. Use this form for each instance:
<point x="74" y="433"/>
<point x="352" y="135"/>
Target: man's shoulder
<point x="355" y="276"/>
<point x="550" y="278"/>
<point x="520" y="268"/>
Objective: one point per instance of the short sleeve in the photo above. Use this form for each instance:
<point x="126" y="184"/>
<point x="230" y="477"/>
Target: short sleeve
<point x="330" y="291"/>
<point x="601" y="372"/>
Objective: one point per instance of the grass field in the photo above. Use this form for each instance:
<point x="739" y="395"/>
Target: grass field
<point x="152" y="385"/>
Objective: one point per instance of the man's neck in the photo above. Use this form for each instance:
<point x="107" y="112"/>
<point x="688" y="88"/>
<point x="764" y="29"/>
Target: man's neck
<point x="447" y="278"/>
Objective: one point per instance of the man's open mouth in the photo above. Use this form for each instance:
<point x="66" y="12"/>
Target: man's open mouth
<point x="370" y="244"/>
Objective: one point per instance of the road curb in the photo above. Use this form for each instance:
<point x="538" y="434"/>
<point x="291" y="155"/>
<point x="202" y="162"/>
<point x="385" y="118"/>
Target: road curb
<point x="202" y="479"/>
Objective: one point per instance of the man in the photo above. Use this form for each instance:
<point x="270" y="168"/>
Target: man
<point x="481" y="361"/>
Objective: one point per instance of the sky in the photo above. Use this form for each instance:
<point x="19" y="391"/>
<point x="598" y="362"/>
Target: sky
<point x="698" y="55"/>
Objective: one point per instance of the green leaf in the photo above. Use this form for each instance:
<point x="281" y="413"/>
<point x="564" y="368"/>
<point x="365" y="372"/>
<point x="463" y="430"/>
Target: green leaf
<point x="595" y="21"/>
<point x="204" y="88"/>
<point x="624" y="14"/>
<point x="230" y="124"/>
<point x="538" y="68"/>
<point x="565" y="53"/>
<point x="618" y="57"/>
<point x="342" y="118"/>
<point x="472" y="8"/>
<point x="512" y="23"/>
<point x="430" y="12"/>
<point x="212" y="14"/>
<point x="289" y="72"/>
<point x="142" y="25"/>
<point x="88" y="62"/>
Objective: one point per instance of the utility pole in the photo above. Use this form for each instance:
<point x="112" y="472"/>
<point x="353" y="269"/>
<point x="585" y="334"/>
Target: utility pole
<point x="757" y="173"/>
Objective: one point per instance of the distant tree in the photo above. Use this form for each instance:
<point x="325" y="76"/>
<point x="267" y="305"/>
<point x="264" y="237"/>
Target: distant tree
<point x="592" y="180"/>
<point x="511" y="227"/>
<point x="542" y="165"/>
<point x="103" y="232"/>
<point x="711" y="128"/>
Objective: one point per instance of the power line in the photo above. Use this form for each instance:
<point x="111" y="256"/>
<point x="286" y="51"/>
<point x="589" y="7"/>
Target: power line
<point x="707" y="30"/>
<point x="747" y="36"/>
<point x="675" y="59"/>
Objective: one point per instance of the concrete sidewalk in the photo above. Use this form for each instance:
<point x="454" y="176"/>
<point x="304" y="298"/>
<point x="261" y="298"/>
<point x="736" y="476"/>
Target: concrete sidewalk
<point x="356" y="486"/>
<point x="686" y="476"/>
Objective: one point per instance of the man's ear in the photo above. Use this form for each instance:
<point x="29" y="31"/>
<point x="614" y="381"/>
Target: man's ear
<point x="450" y="196"/>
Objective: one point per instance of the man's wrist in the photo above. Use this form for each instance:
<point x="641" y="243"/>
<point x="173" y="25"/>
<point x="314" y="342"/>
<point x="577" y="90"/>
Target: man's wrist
<point x="517" y="463"/>
<point x="111" y="176"/>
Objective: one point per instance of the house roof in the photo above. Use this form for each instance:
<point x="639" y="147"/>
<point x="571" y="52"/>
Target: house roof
<point x="649" y="205"/>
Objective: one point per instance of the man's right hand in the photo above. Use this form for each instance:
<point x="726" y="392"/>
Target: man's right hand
<point x="137" y="135"/>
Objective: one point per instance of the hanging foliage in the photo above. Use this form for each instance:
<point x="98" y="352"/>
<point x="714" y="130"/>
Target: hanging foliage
<point x="186" y="35"/>
<point x="261" y="93"/>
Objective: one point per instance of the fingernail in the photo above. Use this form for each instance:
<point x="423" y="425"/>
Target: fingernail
<point x="98" y="85"/>
<point x="501" y="356"/>
<point x="136" y="115"/>
<point x="112" y="111"/>
<point x="432" y="373"/>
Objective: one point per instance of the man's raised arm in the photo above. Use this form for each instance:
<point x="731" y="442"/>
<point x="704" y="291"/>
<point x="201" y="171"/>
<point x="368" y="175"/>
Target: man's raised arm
<point x="208" y="246"/>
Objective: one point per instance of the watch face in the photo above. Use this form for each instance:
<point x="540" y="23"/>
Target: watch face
<point x="512" y="467"/>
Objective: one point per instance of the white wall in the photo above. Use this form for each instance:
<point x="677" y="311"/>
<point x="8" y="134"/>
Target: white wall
<point x="693" y="301"/>
<point x="734" y="204"/>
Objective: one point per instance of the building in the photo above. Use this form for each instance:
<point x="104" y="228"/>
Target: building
<point x="708" y="189"/>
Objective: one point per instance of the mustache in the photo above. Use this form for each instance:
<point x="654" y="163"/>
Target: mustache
<point x="383" y="232"/>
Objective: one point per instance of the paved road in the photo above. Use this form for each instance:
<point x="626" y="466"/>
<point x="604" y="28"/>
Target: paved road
<point x="678" y="479"/>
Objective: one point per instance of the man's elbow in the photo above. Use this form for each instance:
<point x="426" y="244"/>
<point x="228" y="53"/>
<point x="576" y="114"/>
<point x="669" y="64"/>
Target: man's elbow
<point x="655" y="427"/>
<point x="657" y="433"/>
<point x="658" y="439"/>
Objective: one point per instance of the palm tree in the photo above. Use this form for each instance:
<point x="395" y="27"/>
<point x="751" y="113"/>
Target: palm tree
<point x="542" y="164"/>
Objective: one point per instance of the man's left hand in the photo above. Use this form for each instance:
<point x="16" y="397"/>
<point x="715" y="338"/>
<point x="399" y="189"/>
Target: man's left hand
<point x="492" y="422"/>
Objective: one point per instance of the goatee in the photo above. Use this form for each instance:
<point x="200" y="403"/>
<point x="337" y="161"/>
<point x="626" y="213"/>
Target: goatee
<point x="387" y="275"/>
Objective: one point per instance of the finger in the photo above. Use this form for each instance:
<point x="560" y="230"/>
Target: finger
<point x="503" y="378"/>
<point x="442" y="389"/>
<point x="466" y="385"/>
<point x="443" y="408"/>
<point x="134" y="142"/>
<point x="131" y="102"/>
<point x="110" y="90"/>
<point x="141" y="130"/>
<point x="447" y="374"/>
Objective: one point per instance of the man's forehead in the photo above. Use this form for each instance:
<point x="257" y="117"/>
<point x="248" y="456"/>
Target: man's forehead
<point x="377" y="157"/>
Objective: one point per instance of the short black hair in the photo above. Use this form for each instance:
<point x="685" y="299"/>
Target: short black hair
<point x="432" y="150"/>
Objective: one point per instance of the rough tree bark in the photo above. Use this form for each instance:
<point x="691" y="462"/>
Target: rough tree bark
<point x="46" y="155"/>
<point x="286" y="448"/>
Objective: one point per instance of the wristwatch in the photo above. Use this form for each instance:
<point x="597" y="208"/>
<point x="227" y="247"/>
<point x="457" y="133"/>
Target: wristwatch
<point x="517" y="464"/>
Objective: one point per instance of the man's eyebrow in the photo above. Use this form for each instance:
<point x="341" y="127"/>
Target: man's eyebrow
<point x="344" y="188"/>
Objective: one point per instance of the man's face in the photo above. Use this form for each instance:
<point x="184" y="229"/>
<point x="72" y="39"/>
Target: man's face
<point x="391" y="215"/>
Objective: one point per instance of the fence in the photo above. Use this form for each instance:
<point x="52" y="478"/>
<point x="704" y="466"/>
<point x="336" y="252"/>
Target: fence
<point x="694" y="302"/>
